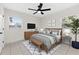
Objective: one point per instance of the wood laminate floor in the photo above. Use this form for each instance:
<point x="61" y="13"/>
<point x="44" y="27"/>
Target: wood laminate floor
<point x="18" y="48"/>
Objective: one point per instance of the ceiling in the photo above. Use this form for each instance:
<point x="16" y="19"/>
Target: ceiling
<point x="23" y="7"/>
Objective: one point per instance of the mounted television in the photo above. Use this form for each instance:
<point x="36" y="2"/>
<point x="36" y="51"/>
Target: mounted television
<point x="31" y="26"/>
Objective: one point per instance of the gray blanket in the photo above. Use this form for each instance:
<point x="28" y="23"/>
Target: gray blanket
<point x="46" y="39"/>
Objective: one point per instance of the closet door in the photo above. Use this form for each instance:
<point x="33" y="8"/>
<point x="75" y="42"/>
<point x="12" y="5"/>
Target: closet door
<point x="1" y="28"/>
<point x="1" y="32"/>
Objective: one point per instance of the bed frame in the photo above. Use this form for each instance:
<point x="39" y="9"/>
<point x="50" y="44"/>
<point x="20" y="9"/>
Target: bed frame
<point x="43" y="47"/>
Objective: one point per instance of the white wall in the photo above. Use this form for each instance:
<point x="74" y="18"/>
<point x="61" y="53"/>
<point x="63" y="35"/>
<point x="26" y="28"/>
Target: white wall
<point x="16" y="34"/>
<point x="1" y="18"/>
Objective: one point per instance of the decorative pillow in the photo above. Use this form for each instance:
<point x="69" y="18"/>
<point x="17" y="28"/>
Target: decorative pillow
<point x="55" y="33"/>
<point x="47" y="32"/>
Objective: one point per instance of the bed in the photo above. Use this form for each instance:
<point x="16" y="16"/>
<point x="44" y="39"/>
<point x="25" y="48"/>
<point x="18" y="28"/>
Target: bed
<point x="50" y="39"/>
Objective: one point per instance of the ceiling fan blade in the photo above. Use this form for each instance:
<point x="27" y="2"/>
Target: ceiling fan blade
<point x="46" y="9"/>
<point x="35" y="12"/>
<point x="32" y="9"/>
<point x="40" y="5"/>
<point x="42" y="13"/>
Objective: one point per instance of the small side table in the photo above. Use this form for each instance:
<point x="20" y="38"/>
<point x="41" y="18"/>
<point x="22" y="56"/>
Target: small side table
<point x="67" y="40"/>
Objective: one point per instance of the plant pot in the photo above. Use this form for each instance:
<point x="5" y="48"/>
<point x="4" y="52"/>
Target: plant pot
<point x="75" y="44"/>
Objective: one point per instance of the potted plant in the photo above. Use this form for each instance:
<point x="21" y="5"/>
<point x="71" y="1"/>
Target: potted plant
<point x="73" y="24"/>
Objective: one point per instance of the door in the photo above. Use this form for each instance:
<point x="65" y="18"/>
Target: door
<point x="1" y="32"/>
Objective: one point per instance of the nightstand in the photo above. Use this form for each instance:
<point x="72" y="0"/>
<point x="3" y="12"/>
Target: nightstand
<point x="67" y="40"/>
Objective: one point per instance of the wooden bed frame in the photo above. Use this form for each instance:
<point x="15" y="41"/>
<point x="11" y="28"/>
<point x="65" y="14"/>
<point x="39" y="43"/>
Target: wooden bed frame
<point x="43" y="47"/>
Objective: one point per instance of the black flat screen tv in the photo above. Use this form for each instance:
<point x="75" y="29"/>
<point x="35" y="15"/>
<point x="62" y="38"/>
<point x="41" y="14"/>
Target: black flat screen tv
<point x="31" y="26"/>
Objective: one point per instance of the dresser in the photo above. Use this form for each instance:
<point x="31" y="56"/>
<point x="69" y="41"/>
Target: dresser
<point x="28" y="34"/>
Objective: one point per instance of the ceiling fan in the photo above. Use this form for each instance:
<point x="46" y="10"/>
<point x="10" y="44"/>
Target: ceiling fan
<point x="39" y="9"/>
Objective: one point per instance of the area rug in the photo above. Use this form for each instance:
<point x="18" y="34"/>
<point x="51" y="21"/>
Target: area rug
<point x="34" y="50"/>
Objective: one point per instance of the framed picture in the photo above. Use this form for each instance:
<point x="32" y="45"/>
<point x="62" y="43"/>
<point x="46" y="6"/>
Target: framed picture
<point x="15" y="21"/>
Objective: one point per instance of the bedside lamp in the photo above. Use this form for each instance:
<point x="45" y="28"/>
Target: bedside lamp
<point x="41" y="30"/>
<point x="66" y="32"/>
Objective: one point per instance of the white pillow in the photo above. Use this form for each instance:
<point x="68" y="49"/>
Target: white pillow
<point x="55" y="32"/>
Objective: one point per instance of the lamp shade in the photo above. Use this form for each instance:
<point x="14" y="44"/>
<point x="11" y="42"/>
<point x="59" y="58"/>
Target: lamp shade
<point x="41" y="30"/>
<point x="66" y="31"/>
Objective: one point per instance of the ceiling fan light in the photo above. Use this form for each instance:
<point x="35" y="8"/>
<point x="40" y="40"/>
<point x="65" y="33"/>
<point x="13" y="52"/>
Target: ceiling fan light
<point x="39" y="12"/>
